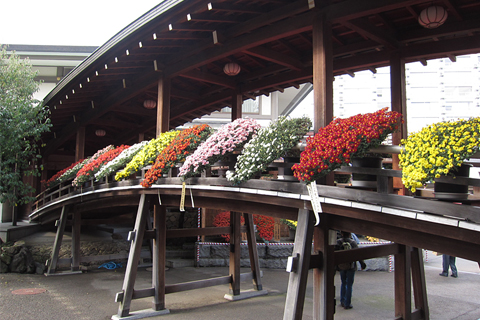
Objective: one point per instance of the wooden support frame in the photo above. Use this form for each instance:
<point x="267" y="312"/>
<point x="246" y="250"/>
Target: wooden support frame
<point x="298" y="265"/>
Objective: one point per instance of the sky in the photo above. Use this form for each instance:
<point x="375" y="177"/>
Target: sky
<point x="67" y="22"/>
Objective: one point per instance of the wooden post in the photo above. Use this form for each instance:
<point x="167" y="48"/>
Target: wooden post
<point x="76" y="228"/>
<point x="323" y="276"/>
<point x="80" y="144"/>
<point x="322" y="78"/>
<point x="136" y="238"/>
<point x="399" y="104"/>
<point x="237" y="102"/>
<point x="403" y="284"/>
<point x="159" y="256"/>
<point x="52" y="264"/>
<point x="300" y="260"/>
<point x="322" y="72"/>
<point x="163" y="106"/>
<point x="234" y="265"/>
<point x="252" y="251"/>
<point x="419" y="284"/>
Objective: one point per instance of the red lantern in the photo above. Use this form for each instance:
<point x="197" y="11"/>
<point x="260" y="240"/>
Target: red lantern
<point x="432" y="17"/>
<point x="100" y="133"/>
<point x="231" y="69"/>
<point x="149" y="104"/>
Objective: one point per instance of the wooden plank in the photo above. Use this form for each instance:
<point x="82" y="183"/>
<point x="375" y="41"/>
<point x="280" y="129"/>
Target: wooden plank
<point x="134" y="257"/>
<point x="297" y="281"/>
<point x="58" y="241"/>
<point x="179" y="287"/>
<point x="323" y="275"/>
<point x="358" y="254"/>
<point x="77" y="223"/>
<point x="253" y="252"/>
<point x="419" y="285"/>
<point x="193" y="232"/>
<point x="159" y="257"/>
<point x="235" y="253"/>
<point x="403" y="284"/>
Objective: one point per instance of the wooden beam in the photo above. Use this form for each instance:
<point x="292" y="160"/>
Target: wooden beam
<point x="276" y="57"/>
<point x="372" y="33"/>
<point x="403" y="284"/>
<point x="163" y="106"/>
<point x="223" y="81"/>
<point x="237" y="101"/>
<point x="80" y="144"/>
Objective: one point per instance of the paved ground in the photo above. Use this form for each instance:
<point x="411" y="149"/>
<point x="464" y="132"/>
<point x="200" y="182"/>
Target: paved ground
<point x="91" y="295"/>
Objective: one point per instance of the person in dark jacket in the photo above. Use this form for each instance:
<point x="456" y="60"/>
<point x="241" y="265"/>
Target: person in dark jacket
<point x="347" y="270"/>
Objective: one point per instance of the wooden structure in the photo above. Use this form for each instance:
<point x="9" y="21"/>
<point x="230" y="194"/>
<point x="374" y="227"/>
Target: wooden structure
<point x="175" y="55"/>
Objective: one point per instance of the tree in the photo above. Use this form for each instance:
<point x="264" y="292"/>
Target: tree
<point x="23" y="120"/>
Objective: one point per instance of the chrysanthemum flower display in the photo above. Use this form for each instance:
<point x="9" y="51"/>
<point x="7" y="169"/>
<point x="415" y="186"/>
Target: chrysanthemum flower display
<point x="147" y="154"/>
<point x="180" y="147"/>
<point x="223" y="142"/>
<point x="72" y="172"/>
<point x="120" y="161"/>
<point x="88" y="170"/>
<point x="267" y="145"/>
<point x="55" y="179"/>
<point x="265" y="225"/>
<point x="436" y="150"/>
<point x="342" y="139"/>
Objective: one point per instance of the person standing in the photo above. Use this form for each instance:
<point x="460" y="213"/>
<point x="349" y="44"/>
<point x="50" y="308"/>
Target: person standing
<point x="449" y="262"/>
<point x="347" y="270"/>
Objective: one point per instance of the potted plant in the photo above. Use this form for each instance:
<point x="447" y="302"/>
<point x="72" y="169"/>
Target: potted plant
<point x="343" y="139"/>
<point x="219" y="145"/>
<point x="267" y="145"/>
<point x="292" y="227"/>
<point x="438" y="149"/>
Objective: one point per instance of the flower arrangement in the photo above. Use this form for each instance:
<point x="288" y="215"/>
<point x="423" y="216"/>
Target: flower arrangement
<point x="147" y="154"/>
<point x="265" y="225"/>
<point x="436" y="150"/>
<point x="55" y="179"/>
<point x="229" y="137"/>
<point x="343" y="139"/>
<point x="267" y="145"/>
<point x="120" y="161"/>
<point x="72" y="173"/>
<point x="292" y="224"/>
<point x="180" y="147"/>
<point x="89" y="169"/>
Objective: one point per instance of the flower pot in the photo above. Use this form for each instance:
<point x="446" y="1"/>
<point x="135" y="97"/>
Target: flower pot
<point x="365" y="180"/>
<point x="453" y="191"/>
<point x="291" y="234"/>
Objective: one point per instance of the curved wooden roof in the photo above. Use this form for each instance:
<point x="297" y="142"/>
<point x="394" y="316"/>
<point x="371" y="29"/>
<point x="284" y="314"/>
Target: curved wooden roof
<point x="190" y="41"/>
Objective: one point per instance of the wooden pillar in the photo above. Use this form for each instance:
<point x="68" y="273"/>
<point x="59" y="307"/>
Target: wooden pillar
<point x="252" y="251"/>
<point x="159" y="256"/>
<point x="322" y="73"/>
<point x="399" y="104"/>
<point x="403" y="284"/>
<point x="237" y="102"/>
<point x="323" y="277"/>
<point x="419" y="284"/>
<point x="300" y="260"/>
<point x="80" y="144"/>
<point x="234" y="265"/>
<point x="76" y="228"/>
<point x="136" y="238"/>
<point x="141" y="136"/>
<point x="163" y="105"/>
<point x="52" y="264"/>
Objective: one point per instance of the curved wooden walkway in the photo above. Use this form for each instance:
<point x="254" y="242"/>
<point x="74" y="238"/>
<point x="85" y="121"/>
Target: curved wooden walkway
<point x="410" y="223"/>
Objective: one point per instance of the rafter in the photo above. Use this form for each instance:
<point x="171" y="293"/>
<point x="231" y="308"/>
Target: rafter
<point x="276" y="57"/>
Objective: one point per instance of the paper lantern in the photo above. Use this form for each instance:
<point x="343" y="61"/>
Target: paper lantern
<point x="149" y="104"/>
<point x="231" y="69"/>
<point x="432" y="17"/>
<point x="100" y="133"/>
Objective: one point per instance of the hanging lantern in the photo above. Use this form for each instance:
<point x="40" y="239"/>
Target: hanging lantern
<point x="149" y="104"/>
<point x="231" y="69"/>
<point x="432" y="17"/>
<point x="100" y="133"/>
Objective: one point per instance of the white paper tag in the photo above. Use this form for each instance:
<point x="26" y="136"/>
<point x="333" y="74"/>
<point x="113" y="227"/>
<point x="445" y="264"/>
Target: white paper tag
<point x="182" y="198"/>
<point x="191" y="198"/>
<point x="159" y="200"/>
<point x="315" y="200"/>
